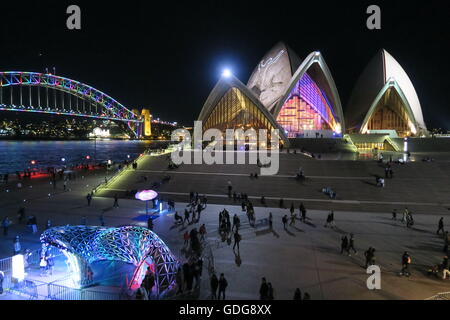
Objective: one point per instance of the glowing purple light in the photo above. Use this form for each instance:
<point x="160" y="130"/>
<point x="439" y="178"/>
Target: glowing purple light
<point x="146" y="195"/>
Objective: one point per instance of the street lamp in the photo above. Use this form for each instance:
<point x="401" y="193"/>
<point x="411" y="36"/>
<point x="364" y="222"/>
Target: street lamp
<point x="146" y="195"/>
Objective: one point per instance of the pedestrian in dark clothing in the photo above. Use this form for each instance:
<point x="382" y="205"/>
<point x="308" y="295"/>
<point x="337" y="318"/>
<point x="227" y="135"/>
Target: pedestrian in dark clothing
<point x="297" y="294"/>
<point x="441" y="226"/>
<point x="186" y="216"/>
<point x="222" y="286"/>
<point x="270" y="221"/>
<point x="214" y="285"/>
<point x="406" y="261"/>
<point x="292" y="209"/>
<point x="89" y="199"/>
<point x="344" y="244"/>
<point x="116" y="201"/>
<point x="237" y="239"/>
<point x="281" y="203"/>
<point x="270" y="294"/>
<point x="263" y="290"/>
<point x="236" y="222"/>
<point x="150" y="224"/>
<point x="370" y="256"/>
<point x="284" y="220"/>
<point x="302" y="212"/>
<point x="394" y="214"/>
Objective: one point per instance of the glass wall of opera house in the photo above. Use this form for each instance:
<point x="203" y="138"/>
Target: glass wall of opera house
<point x="300" y="99"/>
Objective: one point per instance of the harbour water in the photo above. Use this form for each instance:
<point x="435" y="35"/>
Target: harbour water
<point x="21" y="155"/>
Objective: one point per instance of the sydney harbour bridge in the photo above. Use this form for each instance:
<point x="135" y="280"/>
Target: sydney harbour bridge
<point x="51" y="94"/>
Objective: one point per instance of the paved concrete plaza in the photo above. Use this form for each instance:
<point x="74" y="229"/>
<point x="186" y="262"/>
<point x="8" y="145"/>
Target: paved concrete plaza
<point x="306" y="256"/>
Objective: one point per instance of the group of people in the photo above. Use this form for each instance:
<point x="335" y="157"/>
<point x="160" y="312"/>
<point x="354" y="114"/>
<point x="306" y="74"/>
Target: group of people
<point x="407" y="217"/>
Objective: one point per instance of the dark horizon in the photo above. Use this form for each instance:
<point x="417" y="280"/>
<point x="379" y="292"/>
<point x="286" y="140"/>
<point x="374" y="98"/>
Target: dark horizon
<point x="169" y="58"/>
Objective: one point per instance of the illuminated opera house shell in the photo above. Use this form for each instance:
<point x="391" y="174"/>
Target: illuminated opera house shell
<point x="384" y="100"/>
<point x="298" y="98"/>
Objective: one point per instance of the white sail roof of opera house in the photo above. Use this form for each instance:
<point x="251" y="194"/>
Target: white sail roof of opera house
<point x="316" y="69"/>
<point x="383" y="72"/>
<point x="270" y="79"/>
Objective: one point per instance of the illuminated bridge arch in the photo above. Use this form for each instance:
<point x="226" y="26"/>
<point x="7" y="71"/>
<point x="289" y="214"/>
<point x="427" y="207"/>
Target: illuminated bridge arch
<point x="58" y="95"/>
<point x="130" y="244"/>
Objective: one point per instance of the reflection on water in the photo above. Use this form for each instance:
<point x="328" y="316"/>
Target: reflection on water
<point x="17" y="155"/>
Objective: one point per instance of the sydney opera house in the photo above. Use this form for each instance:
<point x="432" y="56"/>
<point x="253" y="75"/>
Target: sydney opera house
<point x="300" y="98"/>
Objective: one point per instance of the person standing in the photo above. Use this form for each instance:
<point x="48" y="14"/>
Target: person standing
<point x="150" y="224"/>
<point x="406" y="261"/>
<point x="89" y="199"/>
<point x="297" y="294"/>
<point x="202" y="231"/>
<point x="270" y="293"/>
<point x="344" y="244"/>
<point x="186" y="216"/>
<point x="444" y="267"/>
<point x="263" y="290"/>
<point x="186" y="238"/>
<point x="17" y="246"/>
<point x="214" y="285"/>
<point x="303" y="212"/>
<point x="230" y="188"/>
<point x="270" y="221"/>
<point x="441" y="225"/>
<point x="370" y="256"/>
<point x="223" y="284"/>
<point x="116" y="201"/>
<point x="405" y="215"/>
<point x="293" y="218"/>
<point x="5" y="224"/>
<point x="2" y="276"/>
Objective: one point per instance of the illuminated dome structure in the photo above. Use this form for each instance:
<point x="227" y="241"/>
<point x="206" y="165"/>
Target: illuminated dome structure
<point x="298" y="98"/>
<point x="384" y="101"/>
<point x="84" y="245"/>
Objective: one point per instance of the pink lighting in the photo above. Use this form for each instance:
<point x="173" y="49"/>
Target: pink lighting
<point x="146" y="195"/>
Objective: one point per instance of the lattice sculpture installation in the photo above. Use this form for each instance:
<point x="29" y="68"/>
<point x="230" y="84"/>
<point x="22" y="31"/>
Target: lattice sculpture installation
<point x="127" y="244"/>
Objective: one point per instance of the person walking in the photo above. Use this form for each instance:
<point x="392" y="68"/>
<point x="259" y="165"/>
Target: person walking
<point x="441" y="226"/>
<point x="406" y="261"/>
<point x="284" y="220"/>
<point x="370" y="257"/>
<point x="405" y="215"/>
<point x="236" y="222"/>
<point x="223" y="284"/>
<point x="263" y="290"/>
<point x="214" y="285"/>
<point x="186" y="216"/>
<point x="297" y="294"/>
<point x="351" y="245"/>
<point x="116" y="201"/>
<point x="292" y="208"/>
<point x="237" y="239"/>
<point x="394" y="214"/>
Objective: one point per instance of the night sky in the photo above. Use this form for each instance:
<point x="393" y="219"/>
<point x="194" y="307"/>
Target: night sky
<point x="169" y="57"/>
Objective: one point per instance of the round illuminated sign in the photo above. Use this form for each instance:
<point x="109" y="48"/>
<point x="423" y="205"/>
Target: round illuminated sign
<point x="146" y="195"/>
